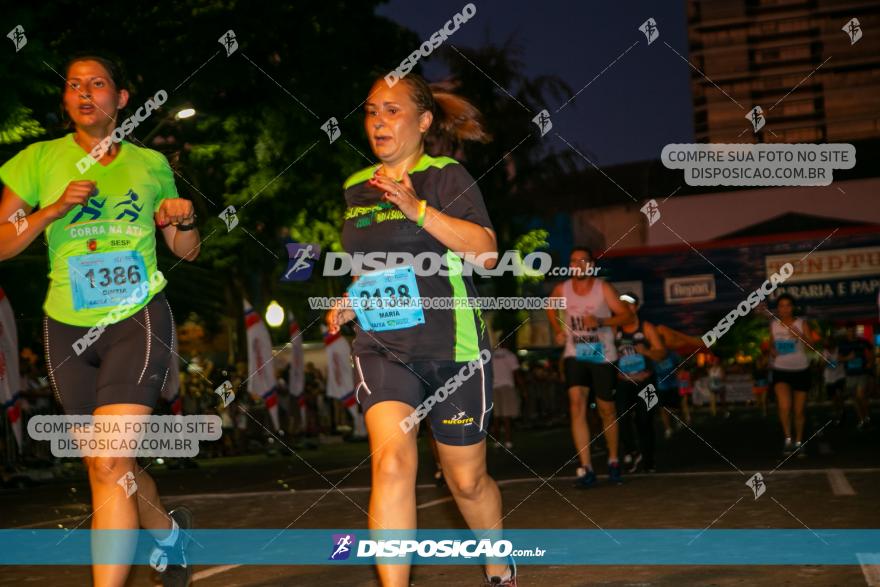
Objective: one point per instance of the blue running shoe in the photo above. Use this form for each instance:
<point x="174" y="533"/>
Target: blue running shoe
<point x="585" y="478"/>
<point x="614" y="474"/>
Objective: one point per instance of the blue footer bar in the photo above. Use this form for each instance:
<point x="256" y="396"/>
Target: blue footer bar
<point x="448" y="547"/>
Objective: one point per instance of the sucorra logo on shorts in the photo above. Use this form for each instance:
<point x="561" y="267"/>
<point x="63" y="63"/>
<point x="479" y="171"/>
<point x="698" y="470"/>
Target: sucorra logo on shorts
<point x="747" y="305"/>
<point x="428" y="47"/>
<point x="122" y="131"/>
<point x="451" y="385"/>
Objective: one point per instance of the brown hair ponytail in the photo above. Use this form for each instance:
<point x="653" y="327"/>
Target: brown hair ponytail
<point x="455" y="118"/>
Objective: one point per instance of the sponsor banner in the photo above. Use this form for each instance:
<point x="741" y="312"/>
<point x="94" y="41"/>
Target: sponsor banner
<point x="740" y="266"/>
<point x="833" y="265"/>
<point x="687" y="290"/>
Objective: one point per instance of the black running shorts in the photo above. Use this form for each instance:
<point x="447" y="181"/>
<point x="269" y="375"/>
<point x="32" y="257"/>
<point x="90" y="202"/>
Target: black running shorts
<point x="455" y="396"/>
<point x="126" y="363"/>
<point x="599" y="377"/>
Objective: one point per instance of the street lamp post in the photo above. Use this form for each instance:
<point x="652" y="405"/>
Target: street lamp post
<point x="179" y="114"/>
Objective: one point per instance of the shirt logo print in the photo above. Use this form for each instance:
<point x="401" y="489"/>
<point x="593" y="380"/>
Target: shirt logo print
<point x="134" y="211"/>
<point x="94" y="212"/>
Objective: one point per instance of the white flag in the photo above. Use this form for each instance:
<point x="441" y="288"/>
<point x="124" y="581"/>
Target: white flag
<point x="10" y="381"/>
<point x="340" y="375"/>
<point x="261" y="380"/>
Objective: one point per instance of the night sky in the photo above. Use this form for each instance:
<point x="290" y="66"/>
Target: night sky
<point x="631" y="111"/>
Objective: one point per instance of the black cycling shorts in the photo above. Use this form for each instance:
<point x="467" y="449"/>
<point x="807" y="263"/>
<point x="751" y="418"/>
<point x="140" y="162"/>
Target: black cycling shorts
<point x="126" y="363"/>
<point x="455" y="396"/>
<point x="601" y="378"/>
<point x="797" y="380"/>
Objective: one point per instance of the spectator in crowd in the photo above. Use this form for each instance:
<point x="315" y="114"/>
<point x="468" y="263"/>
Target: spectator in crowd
<point x="858" y="357"/>
<point x="834" y="378"/>
<point x="717" y="386"/>
<point x="505" y="379"/>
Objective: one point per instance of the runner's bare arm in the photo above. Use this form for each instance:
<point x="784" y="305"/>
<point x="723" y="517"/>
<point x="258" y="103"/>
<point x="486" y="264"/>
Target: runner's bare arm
<point x="772" y="343"/>
<point x="657" y="351"/>
<point x="673" y="338"/>
<point x="16" y="235"/>
<point x="454" y="233"/>
<point x="553" y="314"/>
<point x="810" y="334"/>
<point x="462" y="235"/>
<point x="184" y="244"/>
<point x="620" y="312"/>
<point x="339" y="315"/>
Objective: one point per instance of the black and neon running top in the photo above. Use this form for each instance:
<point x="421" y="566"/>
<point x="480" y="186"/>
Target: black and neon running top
<point x="371" y="225"/>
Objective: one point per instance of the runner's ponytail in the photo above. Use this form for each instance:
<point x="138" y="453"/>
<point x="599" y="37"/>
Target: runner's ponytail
<point x="455" y="118"/>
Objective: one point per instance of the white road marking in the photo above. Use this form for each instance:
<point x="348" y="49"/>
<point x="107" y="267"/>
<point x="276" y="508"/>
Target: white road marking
<point x="839" y="483"/>
<point x="213" y="571"/>
<point x="52" y="522"/>
<point x="210" y="571"/>
<point x="870" y="562"/>
<point x="434" y="502"/>
<point x="503" y="482"/>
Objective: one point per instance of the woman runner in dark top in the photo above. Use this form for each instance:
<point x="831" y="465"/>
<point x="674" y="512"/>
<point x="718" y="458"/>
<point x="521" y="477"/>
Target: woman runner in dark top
<point x="434" y="359"/>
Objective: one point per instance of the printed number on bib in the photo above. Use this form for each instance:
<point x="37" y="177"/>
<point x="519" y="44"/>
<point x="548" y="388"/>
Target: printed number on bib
<point x="785" y="347"/>
<point x="632" y="363"/>
<point x="387" y="300"/>
<point x="592" y="352"/>
<point x="102" y="280"/>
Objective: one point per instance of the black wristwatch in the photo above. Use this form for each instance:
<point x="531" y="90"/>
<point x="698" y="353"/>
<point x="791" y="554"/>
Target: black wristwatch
<point x="186" y="227"/>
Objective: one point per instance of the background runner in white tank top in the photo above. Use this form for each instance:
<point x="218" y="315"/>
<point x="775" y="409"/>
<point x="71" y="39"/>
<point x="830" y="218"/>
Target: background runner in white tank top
<point x="791" y="355"/>
<point x="578" y="306"/>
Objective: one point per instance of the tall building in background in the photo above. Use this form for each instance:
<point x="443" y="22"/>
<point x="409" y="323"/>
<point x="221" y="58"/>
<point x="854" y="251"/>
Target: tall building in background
<point x="759" y="52"/>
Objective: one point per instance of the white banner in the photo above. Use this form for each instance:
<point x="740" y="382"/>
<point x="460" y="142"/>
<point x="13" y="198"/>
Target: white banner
<point x="340" y="375"/>
<point x="827" y="265"/>
<point x="260" y="365"/>
<point x="10" y="380"/>
<point x="686" y="290"/>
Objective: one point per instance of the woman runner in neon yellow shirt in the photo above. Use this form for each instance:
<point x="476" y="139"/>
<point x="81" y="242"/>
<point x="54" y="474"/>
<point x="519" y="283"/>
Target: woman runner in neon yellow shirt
<point x="108" y="329"/>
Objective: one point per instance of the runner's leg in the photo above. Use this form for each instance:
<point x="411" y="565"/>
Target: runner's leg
<point x="580" y="430"/>
<point x="394" y="464"/>
<point x="800" y="402"/>
<point x="783" y="399"/>
<point x="476" y="494"/>
<point x="609" y="426"/>
<point x="112" y="510"/>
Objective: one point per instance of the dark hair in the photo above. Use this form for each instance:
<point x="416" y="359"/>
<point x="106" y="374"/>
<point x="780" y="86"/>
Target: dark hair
<point x="455" y="118"/>
<point x="114" y="69"/>
<point x="113" y="66"/>
<point x="585" y="249"/>
<point x="786" y="296"/>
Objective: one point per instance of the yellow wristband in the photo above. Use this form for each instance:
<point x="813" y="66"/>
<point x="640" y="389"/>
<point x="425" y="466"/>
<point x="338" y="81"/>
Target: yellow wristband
<point x="423" y="210"/>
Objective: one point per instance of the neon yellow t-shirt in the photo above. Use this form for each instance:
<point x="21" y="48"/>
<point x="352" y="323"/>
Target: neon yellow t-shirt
<point x="102" y="255"/>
